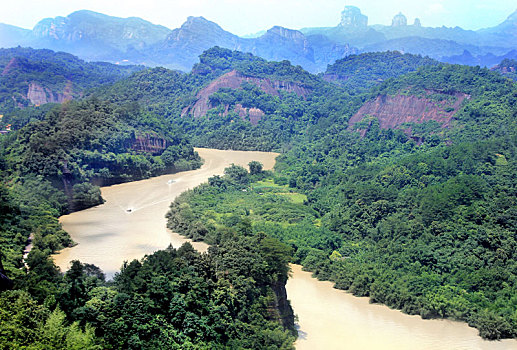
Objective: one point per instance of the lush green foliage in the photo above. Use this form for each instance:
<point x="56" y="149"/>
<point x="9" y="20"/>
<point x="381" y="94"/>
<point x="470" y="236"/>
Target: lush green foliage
<point x="287" y="116"/>
<point x="52" y="71"/>
<point x="94" y="139"/>
<point x="359" y="73"/>
<point x="53" y="165"/>
<point x="488" y="111"/>
<point x="427" y="228"/>
<point x="431" y="234"/>
<point x="175" y="299"/>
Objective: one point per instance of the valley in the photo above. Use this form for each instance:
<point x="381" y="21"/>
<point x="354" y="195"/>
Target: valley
<point x="293" y="189"/>
<point x="131" y="223"/>
<point x="110" y="234"/>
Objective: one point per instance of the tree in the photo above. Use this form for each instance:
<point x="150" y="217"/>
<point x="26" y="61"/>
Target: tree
<point x="255" y="167"/>
<point x="237" y="174"/>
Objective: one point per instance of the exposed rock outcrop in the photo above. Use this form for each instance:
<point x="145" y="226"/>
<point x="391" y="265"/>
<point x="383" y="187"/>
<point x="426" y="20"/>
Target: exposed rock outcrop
<point x="253" y="114"/>
<point x="39" y="95"/>
<point x="150" y="144"/>
<point x="104" y="32"/>
<point x="234" y="80"/>
<point x="399" y="20"/>
<point x="393" y="111"/>
<point x="352" y="17"/>
<point x="282" y="311"/>
<point x="507" y="67"/>
<point x="5" y="282"/>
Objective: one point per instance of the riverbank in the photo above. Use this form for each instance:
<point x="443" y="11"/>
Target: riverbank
<point x="327" y="318"/>
<point x="131" y="222"/>
<point x="330" y="318"/>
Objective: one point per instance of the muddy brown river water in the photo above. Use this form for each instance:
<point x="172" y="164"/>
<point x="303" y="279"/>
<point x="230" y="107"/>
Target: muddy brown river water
<point x="131" y="223"/>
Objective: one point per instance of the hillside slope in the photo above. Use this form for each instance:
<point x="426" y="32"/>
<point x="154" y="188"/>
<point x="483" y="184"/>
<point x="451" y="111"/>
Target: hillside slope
<point x="32" y="77"/>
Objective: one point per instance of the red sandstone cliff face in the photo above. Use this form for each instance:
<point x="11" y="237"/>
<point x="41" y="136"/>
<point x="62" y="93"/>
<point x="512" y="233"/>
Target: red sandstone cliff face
<point x="253" y="114"/>
<point x="393" y="111"/>
<point x="150" y="144"/>
<point x="36" y="93"/>
<point x="234" y="80"/>
<point x="39" y="95"/>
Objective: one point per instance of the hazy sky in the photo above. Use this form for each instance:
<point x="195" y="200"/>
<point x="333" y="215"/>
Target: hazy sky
<point x="250" y="16"/>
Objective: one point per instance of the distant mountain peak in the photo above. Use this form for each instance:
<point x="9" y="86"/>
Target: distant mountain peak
<point x="87" y="13"/>
<point x="285" y="32"/>
<point x="197" y="28"/>
<point x="199" y="21"/>
<point x="198" y="25"/>
<point x="509" y="26"/>
<point x="352" y="17"/>
<point x="399" y="20"/>
<point x="193" y="19"/>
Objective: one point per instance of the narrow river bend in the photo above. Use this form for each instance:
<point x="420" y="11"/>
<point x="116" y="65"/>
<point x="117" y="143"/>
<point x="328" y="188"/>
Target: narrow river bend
<point x="132" y="223"/>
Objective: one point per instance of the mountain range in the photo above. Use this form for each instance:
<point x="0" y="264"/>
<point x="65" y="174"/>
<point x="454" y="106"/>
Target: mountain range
<point x="97" y="37"/>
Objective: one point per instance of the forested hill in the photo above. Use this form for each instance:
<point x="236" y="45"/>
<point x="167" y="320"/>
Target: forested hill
<point x="32" y="77"/>
<point x="409" y="183"/>
<point x="414" y="211"/>
<point x="239" y="101"/>
<point x="420" y="224"/>
<point x="233" y="100"/>
<point x="403" y="192"/>
<point x="361" y="72"/>
<point x="236" y="100"/>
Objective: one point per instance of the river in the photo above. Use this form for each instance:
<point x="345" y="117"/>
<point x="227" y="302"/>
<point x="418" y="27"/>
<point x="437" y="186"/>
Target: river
<point x="131" y="223"/>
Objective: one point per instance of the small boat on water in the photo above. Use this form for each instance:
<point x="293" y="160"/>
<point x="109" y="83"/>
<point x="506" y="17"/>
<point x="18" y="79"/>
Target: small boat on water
<point x="171" y="181"/>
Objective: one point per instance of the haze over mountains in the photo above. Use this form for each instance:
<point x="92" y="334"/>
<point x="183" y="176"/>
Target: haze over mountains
<point x="95" y="36"/>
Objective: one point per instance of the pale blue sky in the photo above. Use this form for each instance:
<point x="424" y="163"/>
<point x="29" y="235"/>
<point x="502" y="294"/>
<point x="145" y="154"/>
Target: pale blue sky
<point x="249" y="16"/>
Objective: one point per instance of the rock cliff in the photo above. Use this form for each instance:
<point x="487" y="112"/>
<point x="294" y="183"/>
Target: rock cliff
<point x="5" y="282"/>
<point x="399" y="20"/>
<point x="105" y="32"/>
<point x="150" y="144"/>
<point x="254" y="115"/>
<point x="234" y="80"/>
<point x="38" y="95"/>
<point x="508" y="68"/>
<point x="352" y="17"/>
<point x="281" y="310"/>
<point x="393" y="111"/>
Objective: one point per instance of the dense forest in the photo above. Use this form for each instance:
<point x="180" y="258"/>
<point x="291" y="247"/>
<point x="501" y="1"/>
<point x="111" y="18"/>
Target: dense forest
<point x="419" y="216"/>
<point x="286" y="114"/>
<point x="52" y="77"/>
<point x="175" y="299"/>
<point x="55" y="165"/>
<point x="423" y="227"/>
<point x="359" y="73"/>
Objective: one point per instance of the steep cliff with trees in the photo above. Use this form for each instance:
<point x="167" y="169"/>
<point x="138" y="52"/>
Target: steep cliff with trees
<point x="32" y="77"/>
